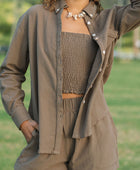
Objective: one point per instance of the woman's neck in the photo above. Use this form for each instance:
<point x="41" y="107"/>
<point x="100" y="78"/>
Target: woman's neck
<point x="75" y="6"/>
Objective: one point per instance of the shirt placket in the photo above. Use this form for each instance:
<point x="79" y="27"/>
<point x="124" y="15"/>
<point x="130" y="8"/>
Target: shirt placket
<point x="76" y="132"/>
<point x="59" y="74"/>
<point x="90" y="25"/>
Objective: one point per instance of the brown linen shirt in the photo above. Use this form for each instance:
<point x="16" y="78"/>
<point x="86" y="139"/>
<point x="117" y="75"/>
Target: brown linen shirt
<point x="37" y="41"/>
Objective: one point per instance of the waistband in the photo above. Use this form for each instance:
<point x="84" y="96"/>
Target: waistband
<point x="71" y="104"/>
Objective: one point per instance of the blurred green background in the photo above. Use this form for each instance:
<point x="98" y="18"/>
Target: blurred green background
<point x="122" y="91"/>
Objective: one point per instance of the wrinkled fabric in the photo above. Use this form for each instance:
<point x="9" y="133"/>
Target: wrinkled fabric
<point x="96" y="152"/>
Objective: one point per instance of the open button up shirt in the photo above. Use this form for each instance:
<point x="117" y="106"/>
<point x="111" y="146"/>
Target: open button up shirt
<point x="37" y="41"/>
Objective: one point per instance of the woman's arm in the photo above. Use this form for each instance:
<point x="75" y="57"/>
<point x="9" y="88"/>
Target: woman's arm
<point x="128" y="17"/>
<point x="12" y="73"/>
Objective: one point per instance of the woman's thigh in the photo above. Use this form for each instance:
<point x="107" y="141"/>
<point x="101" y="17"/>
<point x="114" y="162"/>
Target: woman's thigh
<point x="30" y="159"/>
<point x="98" y="151"/>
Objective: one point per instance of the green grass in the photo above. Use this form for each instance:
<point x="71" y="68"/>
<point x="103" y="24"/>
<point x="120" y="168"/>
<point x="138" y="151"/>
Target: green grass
<point x="122" y="92"/>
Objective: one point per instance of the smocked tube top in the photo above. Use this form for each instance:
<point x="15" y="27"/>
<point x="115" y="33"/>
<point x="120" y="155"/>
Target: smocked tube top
<point x="78" y="54"/>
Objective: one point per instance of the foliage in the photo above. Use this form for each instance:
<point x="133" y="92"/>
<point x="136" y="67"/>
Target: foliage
<point x="9" y="15"/>
<point x="32" y="2"/>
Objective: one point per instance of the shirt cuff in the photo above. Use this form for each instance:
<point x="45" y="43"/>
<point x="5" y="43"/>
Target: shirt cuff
<point x="19" y="115"/>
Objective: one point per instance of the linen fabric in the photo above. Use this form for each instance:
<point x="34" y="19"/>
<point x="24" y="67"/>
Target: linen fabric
<point x="75" y="154"/>
<point x="37" y="40"/>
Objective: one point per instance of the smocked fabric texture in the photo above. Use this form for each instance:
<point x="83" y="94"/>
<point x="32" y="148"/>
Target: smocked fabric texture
<point x="78" y="54"/>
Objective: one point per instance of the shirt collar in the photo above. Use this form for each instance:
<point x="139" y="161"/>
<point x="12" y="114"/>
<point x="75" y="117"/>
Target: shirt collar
<point x="90" y="9"/>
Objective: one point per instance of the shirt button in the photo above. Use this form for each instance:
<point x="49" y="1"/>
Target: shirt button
<point x="100" y="69"/>
<point x="88" y="22"/>
<point x="103" y="51"/>
<point x="57" y="9"/>
<point x="91" y="15"/>
<point x="83" y="12"/>
<point x="96" y="38"/>
<point x="83" y="101"/>
<point x="93" y="35"/>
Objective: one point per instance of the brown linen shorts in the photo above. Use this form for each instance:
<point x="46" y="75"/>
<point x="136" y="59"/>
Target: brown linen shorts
<point x="75" y="154"/>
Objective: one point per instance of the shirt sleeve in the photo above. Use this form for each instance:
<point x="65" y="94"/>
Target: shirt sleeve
<point x="128" y="17"/>
<point x="12" y="73"/>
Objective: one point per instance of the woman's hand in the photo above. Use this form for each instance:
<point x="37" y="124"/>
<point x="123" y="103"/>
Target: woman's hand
<point x="27" y="127"/>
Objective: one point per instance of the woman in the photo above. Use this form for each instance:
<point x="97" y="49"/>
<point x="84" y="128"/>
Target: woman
<point x="69" y="45"/>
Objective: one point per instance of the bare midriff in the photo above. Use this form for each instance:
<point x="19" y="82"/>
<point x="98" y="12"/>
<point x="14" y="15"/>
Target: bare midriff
<point x="70" y="95"/>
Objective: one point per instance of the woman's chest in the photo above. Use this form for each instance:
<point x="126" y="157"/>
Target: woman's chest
<point x="71" y="25"/>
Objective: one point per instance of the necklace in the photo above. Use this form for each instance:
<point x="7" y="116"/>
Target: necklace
<point x="76" y="16"/>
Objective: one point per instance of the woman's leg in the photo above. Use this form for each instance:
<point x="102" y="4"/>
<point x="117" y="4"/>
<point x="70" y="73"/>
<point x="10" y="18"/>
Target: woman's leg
<point x="98" y="151"/>
<point x="29" y="159"/>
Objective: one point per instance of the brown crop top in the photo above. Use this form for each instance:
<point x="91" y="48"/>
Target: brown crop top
<point x="78" y="54"/>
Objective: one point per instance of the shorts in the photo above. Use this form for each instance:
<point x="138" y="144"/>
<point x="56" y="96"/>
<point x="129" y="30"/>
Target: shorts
<point x="75" y="154"/>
